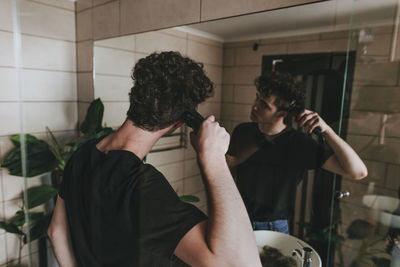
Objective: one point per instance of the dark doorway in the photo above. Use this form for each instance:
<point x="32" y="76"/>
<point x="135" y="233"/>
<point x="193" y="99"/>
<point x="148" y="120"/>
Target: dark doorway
<point x="324" y="75"/>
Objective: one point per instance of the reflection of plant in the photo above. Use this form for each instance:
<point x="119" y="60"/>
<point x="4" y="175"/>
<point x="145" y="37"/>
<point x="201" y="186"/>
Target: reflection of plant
<point x="363" y="230"/>
<point x="32" y="157"/>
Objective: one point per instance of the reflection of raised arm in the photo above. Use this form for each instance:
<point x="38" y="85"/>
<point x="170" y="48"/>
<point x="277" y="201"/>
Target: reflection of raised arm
<point x="345" y="160"/>
<point x="58" y="233"/>
<point x="226" y="239"/>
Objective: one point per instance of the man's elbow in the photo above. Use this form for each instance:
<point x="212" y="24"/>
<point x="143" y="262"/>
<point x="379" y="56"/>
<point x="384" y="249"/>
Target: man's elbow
<point x="53" y="232"/>
<point x="360" y="174"/>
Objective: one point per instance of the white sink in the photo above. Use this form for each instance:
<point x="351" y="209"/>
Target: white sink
<point x="385" y="206"/>
<point x="285" y="243"/>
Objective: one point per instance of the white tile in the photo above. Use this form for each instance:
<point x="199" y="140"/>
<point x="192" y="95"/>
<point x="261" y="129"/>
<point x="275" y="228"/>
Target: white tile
<point x="173" y="172"/>
<point x="10" y="208"/>
<point x="154" y="41"/>
<point x="14" y="185"/>
<point x="112" y="88"/>
<point x="42" y="53"/>
<point x="236" y="112"/>
<point x="10" y="118"/>
<point x="6" y="22"/>
<point x="9" y="84"/>
<point x="165" y="157"/>
<point x="203" y="199"/>
<point x="191" y="168"/>
<point x="57" y="116"/>
<point x="178" y="187"/>
<point x="193" y="184"/>
<point x="244" y="94"/>
<point x="115" y="113"/>
<point x="124" y="42"/>
<point x="5" y="146"/>
<point x="214" y="73"/>
<point x="41" y="85"/>
<point x="3" y="251"/>
<point x="113" y="61"/>
<point x="216" y="97"/>
<point x="47" y="21"/>
<point x="6" y="49"/>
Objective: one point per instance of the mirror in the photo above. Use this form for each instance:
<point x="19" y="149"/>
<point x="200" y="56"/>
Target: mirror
<point x="341" y="50"/>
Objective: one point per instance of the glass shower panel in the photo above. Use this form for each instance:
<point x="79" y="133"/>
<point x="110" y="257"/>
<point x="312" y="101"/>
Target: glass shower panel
<point x="367" y="212"/>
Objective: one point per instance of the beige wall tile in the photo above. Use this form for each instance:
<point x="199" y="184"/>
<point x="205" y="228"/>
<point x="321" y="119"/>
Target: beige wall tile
<point x="66" y="4"/>
<point x="84" y="29"/>
<point x="240" y="75"/>
<point x="165" y="157"/>
<point x="333" y="45"/>
<point x="193" y="184"/>
<point x="376" y="74"/>
<point x="236" y="112"/>
<point x="115" y="113"/>
<point x="82" y="110"/>
<point x="84" y="55"/>
<point x="113" y="62"/>
<point x="393" y="177"/>
<point x="381" y="45"/>
<point x="175" y="32"/>
<point x="377" y="99"/>
<point x="112" y="88"/>
<point x="207" y="54"/>
<point x="3" y="252"/>
<point x="38" y="85"/>
<point x="106" y="20"/>
<point x="227" y="93"/>
<point x="216" y="97"/>
<point x="393" y="125"/>
<point x="178" y="187"/>
<point x="55" y="115"/>
<point x="228" y="57"/>
<point x="209" y="108"/>
<point x="62" y="24"/>
<point x="140" y="16"/>
<point x="214" y="73"/>
<point x="6" y="22"/>
<point x="247" y="56"/>
<point x="244" y="94"/>
<point x="99" y="2"/>
<point x="123" y="42"/>
<point x="42" y="53"/>
<point x="83" y="4"/>
<point x="85" y="86"/>
<point x="376" y="172"/>
<point x="191" y="168"/>
<point x="10" y="118"/>
<point x="9" y="85"/>
<point x="203" y="40"/>
<point x="173" y="172"/>
<point x="6" y="49"/>
<point x="190" y="153"/>
<point x="364" y="122"/>
<point x="157" y="42"/>
<point x="392" y="152"/>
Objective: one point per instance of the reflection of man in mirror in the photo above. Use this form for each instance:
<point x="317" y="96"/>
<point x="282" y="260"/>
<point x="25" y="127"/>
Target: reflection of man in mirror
<point x="115" y="210"/>
<point x="270" y="156"/>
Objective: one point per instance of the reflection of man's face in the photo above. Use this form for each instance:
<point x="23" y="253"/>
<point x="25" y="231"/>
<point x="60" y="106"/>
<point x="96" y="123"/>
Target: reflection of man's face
<point x="264" y="110"/>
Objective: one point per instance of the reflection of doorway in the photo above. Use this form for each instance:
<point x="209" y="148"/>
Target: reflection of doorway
<point x="324" y="75"/>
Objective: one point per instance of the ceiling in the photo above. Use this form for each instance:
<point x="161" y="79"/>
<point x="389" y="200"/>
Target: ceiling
<point x="324" y="16"/>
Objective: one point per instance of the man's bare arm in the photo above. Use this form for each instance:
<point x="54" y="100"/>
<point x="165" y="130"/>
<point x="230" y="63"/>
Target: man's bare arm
<point x="227" y="238"/>
<point x="58" y="233"/>
<point x="345" y="160"/>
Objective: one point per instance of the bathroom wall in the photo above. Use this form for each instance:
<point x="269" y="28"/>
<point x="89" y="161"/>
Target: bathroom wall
<point x="114" y="59"/>
<point x="44" y="93"/>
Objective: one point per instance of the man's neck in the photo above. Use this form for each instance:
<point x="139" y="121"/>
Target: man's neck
<point x="131" y="138"/>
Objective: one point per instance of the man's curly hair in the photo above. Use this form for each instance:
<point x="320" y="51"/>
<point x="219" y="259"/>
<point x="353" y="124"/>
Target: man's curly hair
<point x="289" y="93"/>
<point x="166" y="85"/>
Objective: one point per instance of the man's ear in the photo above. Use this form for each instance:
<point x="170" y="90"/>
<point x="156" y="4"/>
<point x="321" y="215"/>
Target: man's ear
<point x="282" y="114"/>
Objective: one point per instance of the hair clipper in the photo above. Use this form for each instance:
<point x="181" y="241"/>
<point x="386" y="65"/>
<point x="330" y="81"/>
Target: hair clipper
<point x="193" y="119"/>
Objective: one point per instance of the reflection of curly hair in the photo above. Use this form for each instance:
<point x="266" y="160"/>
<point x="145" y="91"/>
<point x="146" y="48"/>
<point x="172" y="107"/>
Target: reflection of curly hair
<point x="165" y="86"/>
<point x="289" y="92"/>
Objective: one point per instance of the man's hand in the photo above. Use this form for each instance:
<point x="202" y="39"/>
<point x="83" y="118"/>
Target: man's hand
<point x="212" y="140"/>
<point x="311" y="120"/>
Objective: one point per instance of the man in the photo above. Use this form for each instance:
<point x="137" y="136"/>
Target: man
<point x="114" y="210"/>
<point x="271" y="157"/>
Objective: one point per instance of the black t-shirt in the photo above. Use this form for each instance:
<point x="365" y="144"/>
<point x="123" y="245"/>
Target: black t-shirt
<point x="268" y="179"/>
<point x="122" y="212"/>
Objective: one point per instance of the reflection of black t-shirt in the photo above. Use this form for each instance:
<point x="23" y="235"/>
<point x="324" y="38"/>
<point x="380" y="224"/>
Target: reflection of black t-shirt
<point x="268" y="179"/>
<point x="122" y="212"/>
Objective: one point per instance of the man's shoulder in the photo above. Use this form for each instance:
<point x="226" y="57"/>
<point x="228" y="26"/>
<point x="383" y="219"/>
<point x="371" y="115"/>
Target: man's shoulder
<point x="246" y="127"/>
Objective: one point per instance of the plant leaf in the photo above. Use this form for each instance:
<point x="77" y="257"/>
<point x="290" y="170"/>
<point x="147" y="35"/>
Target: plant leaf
<point x="189" y="198"/>
<point x="94" y="118"/>
<point x="381" y="262"/>
<point x="11" y="228"/>
<point x="39" y="229"/>
<point x="40" y="195"/>
<point x="16" y="139"/>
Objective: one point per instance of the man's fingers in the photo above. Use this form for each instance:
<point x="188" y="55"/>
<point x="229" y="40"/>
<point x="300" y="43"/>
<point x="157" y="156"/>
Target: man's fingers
<point x="210" y="118"/>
